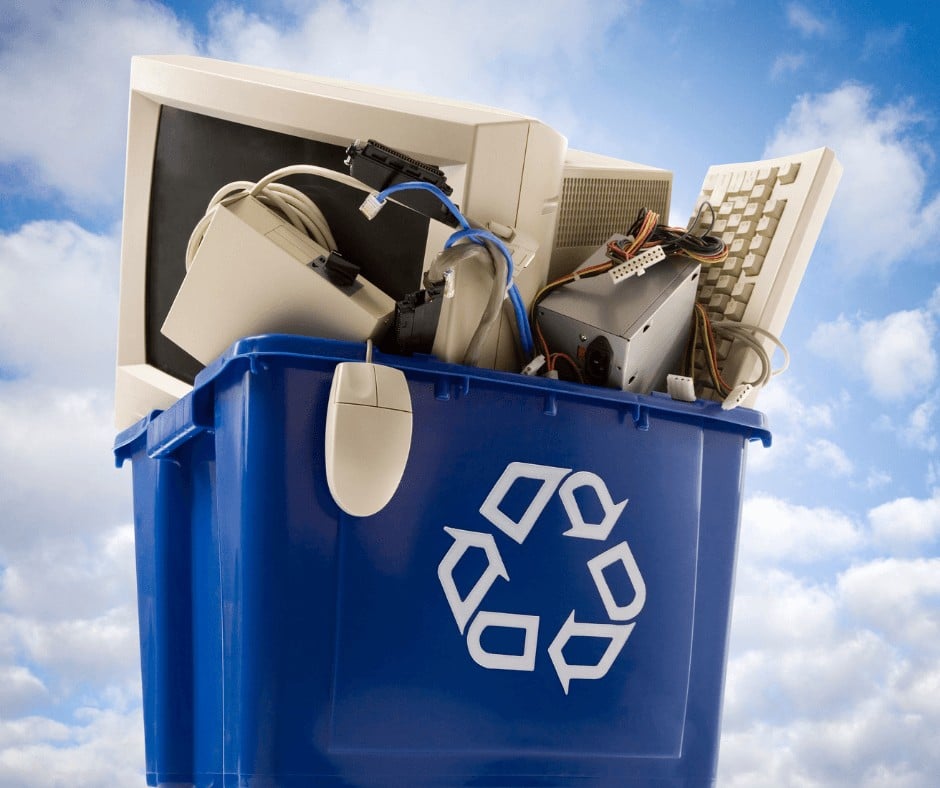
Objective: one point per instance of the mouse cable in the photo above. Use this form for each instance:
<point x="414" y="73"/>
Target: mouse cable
<point x="287" y="201"/>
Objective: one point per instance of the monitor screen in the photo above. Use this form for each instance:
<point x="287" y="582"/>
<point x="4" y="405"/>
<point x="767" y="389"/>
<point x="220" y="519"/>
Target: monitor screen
<point x="195" y="155"/>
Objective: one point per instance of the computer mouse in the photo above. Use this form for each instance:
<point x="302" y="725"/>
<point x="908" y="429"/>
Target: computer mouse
<point x="368" y="435"/>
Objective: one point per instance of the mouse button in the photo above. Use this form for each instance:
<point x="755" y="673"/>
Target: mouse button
<point x="392" y="387"/>
<point x="354" y="383"/>
<point x="366" y="453"/>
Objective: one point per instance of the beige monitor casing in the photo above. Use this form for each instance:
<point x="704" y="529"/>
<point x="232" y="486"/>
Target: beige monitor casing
<point x="504" y="167"/>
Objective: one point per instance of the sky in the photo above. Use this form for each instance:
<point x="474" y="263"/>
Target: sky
<point x="833" y="674"/>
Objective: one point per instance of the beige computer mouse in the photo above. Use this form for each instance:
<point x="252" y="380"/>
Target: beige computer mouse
<point x="368" y="435"/>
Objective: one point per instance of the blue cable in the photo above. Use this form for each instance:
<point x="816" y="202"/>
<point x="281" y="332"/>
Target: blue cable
<point x="475" y="235"/>
<point x="428" y="187"/>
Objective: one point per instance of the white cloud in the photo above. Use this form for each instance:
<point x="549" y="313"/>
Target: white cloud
<point x="19" y="690"/>
<point x="805" y="21"/>
<point x="881" y="42"/>
<point x="894" y="354"/>
<point x="884" y="175"/>
<point x="493" y="48"/>
<point x="792" y="417"/>
<point x="100" y="747"/>
<point x="58" y="312"/>
<point x="825" y="456"/>
<point x="100" y="651"/>
<point x="58" y="304"/>
<point x="876" y="479"/>
<point x="775" y="610"/>
<point x="933" y="305"/>
<point x="71" y="577"/>
<point x="787" y="63"/>
<point x="65" y="88"/>
<point x="918" y="431"/>
<point x="774" y="531"/>
<point x="833" y="683"/>
<point x="57" y="473"/>
<point x="906" y="523"/>
<point x="899" y="598"/>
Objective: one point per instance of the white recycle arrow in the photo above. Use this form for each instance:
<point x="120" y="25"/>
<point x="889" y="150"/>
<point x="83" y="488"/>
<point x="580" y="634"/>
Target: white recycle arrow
<point x="494" y="660"/>
<point x="550" y="477"/>
<point x="464" y="608"/>
<point x="612" y="511"/>
<point x="617" y="634"/>
<point x="622" y="553"/>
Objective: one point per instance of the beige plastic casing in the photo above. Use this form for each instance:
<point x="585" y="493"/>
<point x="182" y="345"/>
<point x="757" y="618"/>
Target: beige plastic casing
<point x="504" y="167"/>
<point x="251" y="275"/>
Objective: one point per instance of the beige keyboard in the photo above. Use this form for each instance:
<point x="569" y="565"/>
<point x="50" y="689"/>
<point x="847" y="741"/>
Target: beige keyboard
<point x="769" y="214"/>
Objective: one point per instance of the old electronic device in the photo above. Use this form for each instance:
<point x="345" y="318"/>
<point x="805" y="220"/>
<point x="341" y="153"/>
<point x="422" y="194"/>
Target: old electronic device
<point x="196" y="123"/>
<point x="625" y="334"/>
<point x="368" y="435"/>
<point x="769" y="214"/>
<point x="254" y="273"/>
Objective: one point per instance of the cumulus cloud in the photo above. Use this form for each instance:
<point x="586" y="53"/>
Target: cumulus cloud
<point x="918" y="430"/>
<point x="19" y="690"/>
<point x="57" y="473"/>
<point x="906" y="523"/>
<point x="800" y="450"/>
<point x="897" y="597"/>
<point x="68" y="610"/>
<point x="822" y="670"/>
<point x="805" y="21"/>
<point x="58" y="312"/>
<point x="894" y="354"/>
<point x="98" y="747"/>
<point x="554" y="39"/>
<point x="65" y="86"/>
<point x="73" y="576"/>
<point x="884" y="173"/>
<point x="776" y="531"/>
<point x="787" y="63"/>
<point x="825" y="456"/>
<point x="58" y="304"/>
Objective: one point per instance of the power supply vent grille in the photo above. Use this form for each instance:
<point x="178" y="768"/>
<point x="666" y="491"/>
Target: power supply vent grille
<point x="592" y="209"/>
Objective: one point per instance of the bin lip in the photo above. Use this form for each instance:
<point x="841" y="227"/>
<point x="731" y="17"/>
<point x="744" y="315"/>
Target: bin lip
<point x="125" y="443"/>
<point x="334" y="350"/>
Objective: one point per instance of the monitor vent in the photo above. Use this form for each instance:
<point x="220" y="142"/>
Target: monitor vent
<point x="592" y="209"/>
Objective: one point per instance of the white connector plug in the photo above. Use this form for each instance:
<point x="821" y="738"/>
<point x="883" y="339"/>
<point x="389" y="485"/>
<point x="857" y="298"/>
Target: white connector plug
<point x="637" y="265"/>
<point x="371" y="206"/>
<point x="680" y="388"/>
<point x="534" y="365"/>
<point x="738" y="394"/>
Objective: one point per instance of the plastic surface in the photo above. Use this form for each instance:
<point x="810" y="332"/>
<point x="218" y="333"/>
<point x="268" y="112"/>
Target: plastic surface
<point x="368" y="436"/>
<point x="545" y="601"/>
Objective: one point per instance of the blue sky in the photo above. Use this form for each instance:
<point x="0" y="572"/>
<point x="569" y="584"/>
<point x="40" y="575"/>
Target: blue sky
<point x="833" y="674"/>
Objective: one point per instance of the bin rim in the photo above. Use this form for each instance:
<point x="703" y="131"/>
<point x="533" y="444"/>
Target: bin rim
<point x="254" y="349"/>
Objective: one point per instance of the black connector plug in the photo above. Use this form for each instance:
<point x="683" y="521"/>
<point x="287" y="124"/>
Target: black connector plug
<point x="379" y="166"/>
<point x="340" y="271"/>
<point x="416" y="319"/>
<point x="597" y="358"/>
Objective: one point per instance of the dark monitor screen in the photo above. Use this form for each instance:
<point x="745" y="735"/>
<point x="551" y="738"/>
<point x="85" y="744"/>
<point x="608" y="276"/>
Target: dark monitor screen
<point x="196" y="155"/>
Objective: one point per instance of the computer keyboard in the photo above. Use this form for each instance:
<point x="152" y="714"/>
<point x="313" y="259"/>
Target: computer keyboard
<point x="769" y="214"/>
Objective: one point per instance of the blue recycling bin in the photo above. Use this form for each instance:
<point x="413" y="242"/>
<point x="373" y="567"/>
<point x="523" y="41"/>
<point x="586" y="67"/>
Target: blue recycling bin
<point x="544" y="602"/>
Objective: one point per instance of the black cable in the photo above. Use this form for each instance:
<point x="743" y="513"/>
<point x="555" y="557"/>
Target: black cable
<point x="675" y="241"/>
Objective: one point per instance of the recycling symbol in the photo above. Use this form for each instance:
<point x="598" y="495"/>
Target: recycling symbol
<point x="473" y="622"/>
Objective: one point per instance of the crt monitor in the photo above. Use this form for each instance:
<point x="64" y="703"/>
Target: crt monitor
<point x="196" y="124"/>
